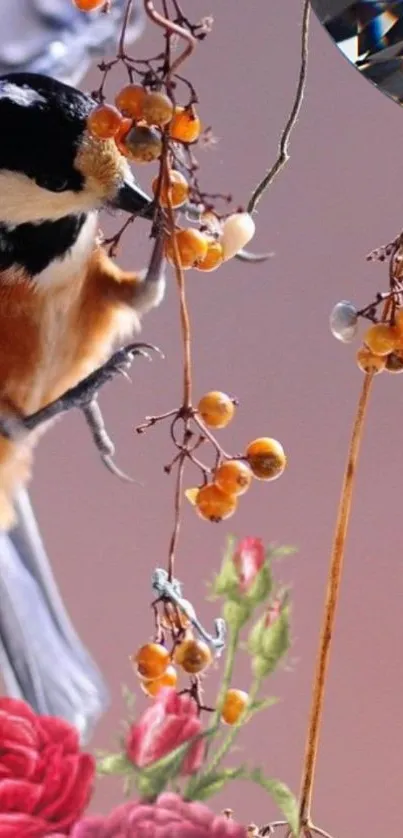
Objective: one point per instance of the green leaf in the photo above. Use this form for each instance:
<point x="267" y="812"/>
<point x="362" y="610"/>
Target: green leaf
<point x="115" y="764"/>
<point x="274" y="552"/>
<point x="282" y="796"/>
<point x="205" y="786"/>
<point x="226" y="582"/>
<point x="154" y="778"/>
<point x="263" y="704"/>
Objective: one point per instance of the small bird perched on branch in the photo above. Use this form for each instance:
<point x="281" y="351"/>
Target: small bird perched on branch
<point x="63" y="306"/>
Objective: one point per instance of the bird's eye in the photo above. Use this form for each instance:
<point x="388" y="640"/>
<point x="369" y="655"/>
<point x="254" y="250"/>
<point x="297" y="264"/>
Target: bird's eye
<point x="53" y="184"/>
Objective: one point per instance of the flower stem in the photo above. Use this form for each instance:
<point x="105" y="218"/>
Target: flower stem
<point x="331" y="601"/>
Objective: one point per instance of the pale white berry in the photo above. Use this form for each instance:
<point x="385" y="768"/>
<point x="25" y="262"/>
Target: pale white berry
<point x="344" y="321"/>
<point x="237" y="230"/>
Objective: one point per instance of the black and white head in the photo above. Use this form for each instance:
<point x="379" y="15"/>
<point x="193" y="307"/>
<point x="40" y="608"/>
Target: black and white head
<point x="50" y="166"/>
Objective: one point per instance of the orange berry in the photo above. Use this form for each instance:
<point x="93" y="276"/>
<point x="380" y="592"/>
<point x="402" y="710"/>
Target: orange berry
<point x="185" y="125"/>
<point x="381" y="339"/>
<point x="213" y="258"/>
<point x="157" y="109"/>
<point x="104" y="121"/>
<point x="266" y="458"/>
<point x="234" y="704"/>
<point x="168" y="679"/>
<point x="214" y="505"/>
<point x="142" y="144"/>
<point x="394" y="362"/>
<point x="192" y="247"/>
<point x="130" y="100"/>
<point x="399" y="320"/>
<point x="125" y="126"/>
<point x="152" y="660"/>
<point x="216" y="409"/>
<point x="233" y="477"/>
<point x="193" y="655"/>
<point x="177" y="189"/>
<point x="88" y="5"/>
<point x="370" y="363"/>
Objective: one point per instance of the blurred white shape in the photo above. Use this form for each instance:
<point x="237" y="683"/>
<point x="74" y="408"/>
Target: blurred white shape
<point x="54" y="38"/>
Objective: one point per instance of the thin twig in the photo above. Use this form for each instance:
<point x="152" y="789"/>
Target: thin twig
<point x="332" y="596"/>
<point x="174" y="29"/>
<point x="283" y="155"/>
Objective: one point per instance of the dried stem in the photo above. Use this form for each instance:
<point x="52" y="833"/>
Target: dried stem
<point x="128" y="10"/>
<point x="283" y="155"/>
<point x="177" y="519"/>
<point x="331" y="601"/>
<point x="173" y="29"/>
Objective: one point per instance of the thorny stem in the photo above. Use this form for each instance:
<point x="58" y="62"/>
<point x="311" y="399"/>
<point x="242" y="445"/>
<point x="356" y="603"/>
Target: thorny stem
<point x="283" y="155"/>
<point x="331" y="601"/>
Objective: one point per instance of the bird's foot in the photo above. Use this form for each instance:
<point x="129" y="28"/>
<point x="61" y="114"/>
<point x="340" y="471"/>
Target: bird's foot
<point x="83" y="396"/>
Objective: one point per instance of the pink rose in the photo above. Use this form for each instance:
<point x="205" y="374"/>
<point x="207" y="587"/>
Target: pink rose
<point x="45" y="782"/>
<point x="248" y="560"/>
<point x="170" y="721"/>
<point x="169" y="816"/>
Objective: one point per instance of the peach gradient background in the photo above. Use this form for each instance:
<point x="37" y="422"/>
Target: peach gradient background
<point x="262" y="334"/>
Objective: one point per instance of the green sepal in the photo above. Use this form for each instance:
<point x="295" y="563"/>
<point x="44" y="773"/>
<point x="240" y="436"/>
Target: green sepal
<point x="115" y="764"/>
<point x="282" y="796"/>
<point x="205" y="786"/>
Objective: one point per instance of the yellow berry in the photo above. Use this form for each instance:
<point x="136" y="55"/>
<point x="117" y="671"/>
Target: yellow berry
<point x="185" y="125"/>
<point x="233" y="477"/>
<point x="177" y="189"/>
<point x="214" y="257"/>
<point x="381" y="339"/>
<point x="370" y="363"/>
<point x="104" y="121"/>
<point x="216" y="409"/>
<point x="192" y="247"/>
<point x="193" y="655"/>
<point x="266" y="458"/>
<point x="168" y="679"/>
<point x="130" y="100"/>
<point x="152" y="660"/>
<point x="234" y="704"/>
<point x="157" y="109"/>
<point x="214" y="505"/>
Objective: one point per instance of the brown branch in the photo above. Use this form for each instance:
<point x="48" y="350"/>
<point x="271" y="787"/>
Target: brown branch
<point x="283" y="155"/>
<point x="332" y="597"/>
<point x="173" y="29"/>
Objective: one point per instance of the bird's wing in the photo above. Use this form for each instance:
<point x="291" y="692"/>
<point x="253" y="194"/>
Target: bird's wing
<point x="41" y="657"/>
<point x="54" y="38"/>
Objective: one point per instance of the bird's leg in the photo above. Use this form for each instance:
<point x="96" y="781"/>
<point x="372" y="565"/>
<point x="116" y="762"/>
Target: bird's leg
<point x="83" y="396"/>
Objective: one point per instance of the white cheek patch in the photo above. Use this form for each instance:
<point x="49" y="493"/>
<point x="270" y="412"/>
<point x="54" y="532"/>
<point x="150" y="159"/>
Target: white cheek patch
<point x="23" y="96"/>
<point x="22" y="201"/>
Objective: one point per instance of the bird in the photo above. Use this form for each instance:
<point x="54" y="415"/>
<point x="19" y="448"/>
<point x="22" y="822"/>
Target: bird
<point x="65" y="305"/>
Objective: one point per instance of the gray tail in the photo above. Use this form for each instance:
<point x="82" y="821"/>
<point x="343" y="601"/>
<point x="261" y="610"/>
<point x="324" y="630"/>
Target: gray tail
<point x="42" y="660"/>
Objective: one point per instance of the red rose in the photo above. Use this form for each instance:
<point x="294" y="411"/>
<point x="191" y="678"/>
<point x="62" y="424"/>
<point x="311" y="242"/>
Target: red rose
<point x="45" y="781"/>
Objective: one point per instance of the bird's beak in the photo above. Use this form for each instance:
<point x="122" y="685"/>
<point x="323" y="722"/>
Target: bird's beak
<point x="131" y="198"/>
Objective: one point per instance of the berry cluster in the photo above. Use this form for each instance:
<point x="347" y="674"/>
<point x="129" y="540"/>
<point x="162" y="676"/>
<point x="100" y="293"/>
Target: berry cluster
<point x="140" y="122"/>
<point x="231" y="476"/>
<point x="382" y="347"/>
<point x="155" y="667"/>
<point x="264" y="459"/>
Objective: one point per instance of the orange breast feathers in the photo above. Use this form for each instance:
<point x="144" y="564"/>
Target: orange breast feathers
<point x="51" y="338"/>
